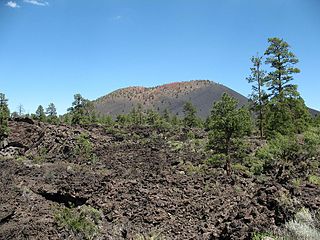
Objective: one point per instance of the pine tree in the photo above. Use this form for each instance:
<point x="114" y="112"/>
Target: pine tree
<point x="152" y="117"/>
<point x="40" y="114"/>
<point x="190" y="117"/>
<point x="258" y="97"/>
<point x="4" y="116"/>
<point x="82" y="110"/>
<point x="287" y="111"/>
<point x="227" y="125"/>
<point x="282" y="61"/>
<point x="166" y="115"/>
<point x="51" y="112"/>
<point x="140" y="114"/>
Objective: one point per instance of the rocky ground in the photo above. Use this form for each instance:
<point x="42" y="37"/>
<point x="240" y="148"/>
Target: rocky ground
<point x="140" y="182"/>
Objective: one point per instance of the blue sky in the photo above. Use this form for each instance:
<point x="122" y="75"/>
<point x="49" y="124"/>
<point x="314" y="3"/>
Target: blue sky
<point x="50" y="50"/>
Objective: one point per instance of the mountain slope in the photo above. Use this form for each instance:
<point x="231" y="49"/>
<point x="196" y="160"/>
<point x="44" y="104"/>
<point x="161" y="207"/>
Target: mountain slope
<point x="173" y="96"/>
<point x="201" y="93"/>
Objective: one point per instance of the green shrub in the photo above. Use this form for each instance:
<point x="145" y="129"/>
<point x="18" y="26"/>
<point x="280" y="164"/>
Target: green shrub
<point x="254" y="164"/>
<point x="280" y="148"/>
<point x="84" y="148"/>
<point x="314" y="179"/>
<point x="176" y="145"/>
<point x="239" y="167"/>
<point x="192" y="169"/>
<point x="83" y="222"/>
<point x="191" y="135"/>
<point x="297" y="182"/>
<point x="312" y="142"/>
<point x="217" y="160"/>
<point x="314" y="165"/>
<point x="262" y="236"/>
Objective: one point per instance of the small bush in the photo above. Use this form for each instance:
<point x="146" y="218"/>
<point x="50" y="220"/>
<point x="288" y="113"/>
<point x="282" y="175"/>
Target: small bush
<point x="176" y="145"/>
<point x="262" y="236"/>
<point x="85" y="148"/>
<point x="217" y="160"/>
<point x="192" y="169"/>
<point x="83" y="222"/>
<point x="241" y="168"/>
<point x="297" y="182"/>
<point x="314" y="179"/>
<point x="303" y="226"/>
<point x="254" y="164"/>
<point x="312" y="142"/>
<point x="281" y="148"/>
<point x="191" y="135"/>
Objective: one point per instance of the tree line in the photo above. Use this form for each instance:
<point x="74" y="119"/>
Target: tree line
<point x="276" y="107"/>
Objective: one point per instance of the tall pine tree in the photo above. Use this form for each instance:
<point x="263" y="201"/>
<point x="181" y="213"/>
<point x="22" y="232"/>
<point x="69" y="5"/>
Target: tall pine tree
<point x="51" y="112"/>
<point x="4" y="116"/>
<point x="227" y="126"/>
<point x="40" y="114"/>
<point x="258" y="97"/>
<point x="288" y="112"/>
<point x="190" y="115"/>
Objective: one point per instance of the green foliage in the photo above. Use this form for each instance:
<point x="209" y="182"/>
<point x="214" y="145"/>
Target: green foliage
<point x="314" y="179"/>
<point x="255" y="165"/>
<point x="240" y="167"/>
<point x="316" y="121"/>
<point x="297" y="182"/>
<point x="282" y="147"/>
<point x="217" y="160"/>
<point x="262" y="236"/>
<point x="137" y="116"/>
<point x="4" y="116"/>
<point x="51" y="112"/>
<point x="84" y="148"/>
<point x="40" y="114"/>
<point x="152" y="117"/>
<point x="192" y="169"/>
<point x="106" y="120"/>
<point x="312" y="142"/>
<point x="166" y="115"/>
<point x="287" y="111"/>
<point x="282" y="60"/>
<point x="122" y="119"/>
<point x="175" y="121"/>
<point x="190" y="115"/>
<point x="176" y="145"/>
<point x="82" y="111"/>
<point x="287" y="116"/>
<point x="258" y="97"/>
<point x="83" y="222"/>
<point x="227" y="125"/>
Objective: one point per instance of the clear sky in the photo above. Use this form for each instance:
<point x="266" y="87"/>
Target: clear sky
<point x="50" y="50"/>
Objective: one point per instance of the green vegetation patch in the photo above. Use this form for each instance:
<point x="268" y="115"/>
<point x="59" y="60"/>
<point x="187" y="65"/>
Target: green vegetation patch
<point x="314" y="179"/>
<point x="83" y="221"/>
<point x="84" y="148"/>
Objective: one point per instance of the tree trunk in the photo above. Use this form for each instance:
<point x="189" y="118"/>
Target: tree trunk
<point x="228" y="160"/>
